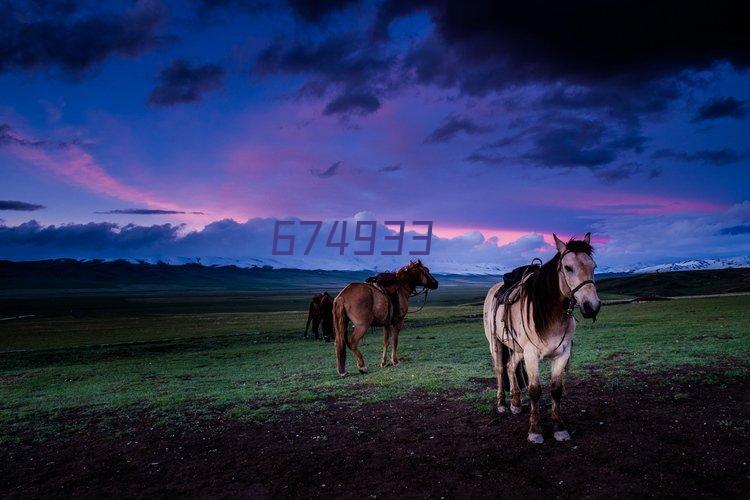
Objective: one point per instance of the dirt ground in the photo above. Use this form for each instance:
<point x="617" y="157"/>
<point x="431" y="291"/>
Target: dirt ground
<point x="649" y="438"/>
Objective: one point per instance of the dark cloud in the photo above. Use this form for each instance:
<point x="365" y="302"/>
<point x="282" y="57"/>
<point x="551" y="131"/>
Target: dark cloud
<point x="735" y="230"/>
<point x="391" y="168"/>
<point x="146" y="211"/>
<point x="37" y="35"/>
<point x="352" y="70"/>
<point x="724" y="156"/>
<point x="453" y="125"/>
<point x="19" y="206"/>
<point x="618" y="101"/>
<point x="310" y="11"/>
<point x="576" y="41"/>
<point x="31" y="240"/>
<point x="344" y="60"/>
<point x="314" y="11"/>
<point x="625" y="171"/>
<point x="724" y="107"/>
<point x="329" y="172"/>
<point x="8" y="137"/>
<point x="182" y="82"/>
<point x="564" y="142"/>
<point x="488" y="159"/>
<point x="362" y="104"/>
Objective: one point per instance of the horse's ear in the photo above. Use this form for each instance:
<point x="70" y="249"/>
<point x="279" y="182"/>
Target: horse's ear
<point x="559" y="243"/>
<point x="419" y="261"/>
<point x="587" y="238"/>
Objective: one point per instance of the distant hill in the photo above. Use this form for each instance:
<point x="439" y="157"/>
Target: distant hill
<point x="678" y="283"/>
<point x="122" y="275"/>
<point x="126" y="276"/>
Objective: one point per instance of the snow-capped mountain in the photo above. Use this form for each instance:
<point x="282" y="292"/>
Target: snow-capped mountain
<point x="692" y="265"/>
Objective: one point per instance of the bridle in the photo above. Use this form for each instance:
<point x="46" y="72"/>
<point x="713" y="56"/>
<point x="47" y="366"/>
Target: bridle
<point x="572" y="301"/>
<point x="412" y="289"/>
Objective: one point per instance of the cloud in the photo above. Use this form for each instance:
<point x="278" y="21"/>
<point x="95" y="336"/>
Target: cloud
<point x="516" y="42"/>
<point x="453" y="125"/>
<point x="228" y="241"/>
<point x="312" y="12"/>
<point x="329" y="172"/>
<point x="32" y="36"/>
<point x="347" y="67"/>
<point x="637" y="235"/>
<point x="182" y="82"/>
<point x="578" y="144"/>
<point x="147" y="211"/>
<point x="362" y="104"/>
<point x="70" y="161"/>
<point x="19" y="206"/>
<point x="625" y="171"/>
<point x="391" y="168"/>
<point x="670" y="237"/>
<point x="724" y="156"/>
<point x="32" y="241"/>
<point x="722" y="107"/>
<point x="318" y="10"/>
<point x="734" y="230"/>
<point x="562" y="141"/>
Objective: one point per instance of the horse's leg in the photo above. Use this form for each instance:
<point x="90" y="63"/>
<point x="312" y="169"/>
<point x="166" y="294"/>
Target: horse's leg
<point x="515" y="391"/>
<point x="316" y="328"/>
<point x="556" y="388"/>
<point x="496" y="350"/>
<point x="386" y="341"/>
<point x="395" y="330"/>
<point x="532" y="369"/>
<point x="359" y="332"/>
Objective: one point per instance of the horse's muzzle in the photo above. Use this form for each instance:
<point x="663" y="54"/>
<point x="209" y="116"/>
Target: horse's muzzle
<point x="589" y="310"/>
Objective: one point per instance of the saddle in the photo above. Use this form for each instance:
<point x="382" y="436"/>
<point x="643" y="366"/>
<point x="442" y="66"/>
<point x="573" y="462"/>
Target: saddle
<point x="513" y="278"/>
<point x="388" y="284"/>
<point x="508" y="294"/>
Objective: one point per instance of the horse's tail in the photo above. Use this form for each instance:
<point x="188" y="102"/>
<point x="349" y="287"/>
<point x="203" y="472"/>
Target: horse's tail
<point x="341" y="323"/>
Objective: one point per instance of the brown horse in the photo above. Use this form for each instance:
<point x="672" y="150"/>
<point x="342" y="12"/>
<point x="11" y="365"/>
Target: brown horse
<point x="366" y="305"/>
<point x="535" y="321"/>
<point x="321" y="312"/>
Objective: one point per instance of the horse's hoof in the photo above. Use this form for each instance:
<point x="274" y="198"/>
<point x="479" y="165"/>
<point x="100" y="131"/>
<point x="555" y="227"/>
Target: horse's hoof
<point x="501" y="409"/>
<point x="383" y="364"/>
<point x="363" y="369"/>
<point x="515" y="410"/>
<point x="342" y="375"/>
<point x="562" y="436"/>
<point x="535" y="438"/>
<point x="396" y="362"/>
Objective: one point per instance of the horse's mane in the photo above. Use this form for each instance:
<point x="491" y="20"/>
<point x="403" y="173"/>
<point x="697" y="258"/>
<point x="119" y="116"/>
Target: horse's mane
<point x="542" y="290"/>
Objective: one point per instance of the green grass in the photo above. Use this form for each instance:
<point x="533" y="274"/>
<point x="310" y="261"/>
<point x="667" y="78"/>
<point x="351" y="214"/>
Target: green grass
<point x="250" y="365"/>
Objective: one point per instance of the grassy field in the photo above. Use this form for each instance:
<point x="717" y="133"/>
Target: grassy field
<point x="251" y="365"/>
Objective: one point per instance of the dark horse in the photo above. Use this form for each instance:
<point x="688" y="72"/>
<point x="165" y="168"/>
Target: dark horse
<point x="366" y="305"/>
<point x="321" y="312"/>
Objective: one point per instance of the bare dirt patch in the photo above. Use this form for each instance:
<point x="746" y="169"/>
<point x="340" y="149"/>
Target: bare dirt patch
<point x="650" y="437"/>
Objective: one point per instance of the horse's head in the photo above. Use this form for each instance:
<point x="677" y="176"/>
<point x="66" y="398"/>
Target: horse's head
<point x="576" y="273"/>
<point x="421" y="275"/>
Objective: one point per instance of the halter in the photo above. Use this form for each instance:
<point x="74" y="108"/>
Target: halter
<point x="572" y="301"/>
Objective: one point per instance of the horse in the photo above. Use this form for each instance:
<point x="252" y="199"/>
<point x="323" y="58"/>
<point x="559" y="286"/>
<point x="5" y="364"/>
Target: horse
<point x="535" y="321"/>
<point x="321" y="311"/>
<point x="366" y="305"/>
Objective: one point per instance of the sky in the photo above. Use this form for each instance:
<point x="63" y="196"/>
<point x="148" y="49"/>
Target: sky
<point x="160" y="129"/>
